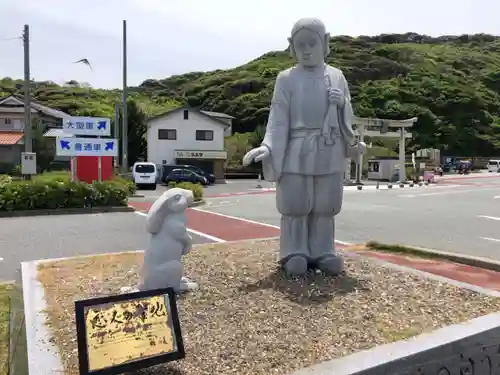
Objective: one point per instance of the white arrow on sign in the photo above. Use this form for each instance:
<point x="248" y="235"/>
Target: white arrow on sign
<point x="97" y="126"/>
<point x="86" y="147"/>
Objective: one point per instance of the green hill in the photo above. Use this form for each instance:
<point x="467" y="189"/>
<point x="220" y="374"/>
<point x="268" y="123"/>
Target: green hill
<point x="452" y="83"/>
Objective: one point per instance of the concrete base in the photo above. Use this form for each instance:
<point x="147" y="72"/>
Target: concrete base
<point x="471" y="347"/>
<point x="43" y="357"/>
<point x="468" y="348"/>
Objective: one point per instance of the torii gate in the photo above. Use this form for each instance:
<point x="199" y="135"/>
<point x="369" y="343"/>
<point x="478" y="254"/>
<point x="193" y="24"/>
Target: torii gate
<point x="365" y="127"/>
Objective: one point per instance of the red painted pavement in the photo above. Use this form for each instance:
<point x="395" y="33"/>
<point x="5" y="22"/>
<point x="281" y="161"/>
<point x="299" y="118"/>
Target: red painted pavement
<point x="256" y="192"/>
<point x="459" y="272"/>
<point x="476" y="177"/>
<point x="225" y="228"/>
<point x="234" y="229"/>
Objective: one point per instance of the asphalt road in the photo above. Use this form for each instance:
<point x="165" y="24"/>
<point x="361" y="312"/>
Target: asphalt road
<point x="462" y="216"/>
<point x="44" y="237"/>
<point x="231" y="187"/>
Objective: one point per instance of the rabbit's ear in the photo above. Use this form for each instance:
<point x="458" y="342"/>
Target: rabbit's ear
<point x="157" y="214"/>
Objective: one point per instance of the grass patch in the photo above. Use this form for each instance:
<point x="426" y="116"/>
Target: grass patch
<point x="11" y="300"/>
<point x="401" y="249"/>
<point x="247" y="318"/>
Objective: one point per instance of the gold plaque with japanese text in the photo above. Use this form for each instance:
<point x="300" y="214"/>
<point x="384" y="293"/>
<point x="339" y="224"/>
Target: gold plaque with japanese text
<point x="128" y="331"/>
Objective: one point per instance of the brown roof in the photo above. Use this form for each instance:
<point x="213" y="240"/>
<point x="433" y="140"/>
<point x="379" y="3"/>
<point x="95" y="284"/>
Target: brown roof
<point x="10" y="138"/>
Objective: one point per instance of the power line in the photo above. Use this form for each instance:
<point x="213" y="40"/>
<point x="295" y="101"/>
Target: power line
<point x="9" y="39"/>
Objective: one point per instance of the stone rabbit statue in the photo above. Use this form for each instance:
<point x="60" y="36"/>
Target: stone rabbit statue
<point x="169" y="241"/>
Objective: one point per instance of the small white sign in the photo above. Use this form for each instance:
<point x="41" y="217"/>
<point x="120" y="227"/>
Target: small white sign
<point x="193" y="154"/>
<point x="99" y="126"/>
<point x="86" y="147"/>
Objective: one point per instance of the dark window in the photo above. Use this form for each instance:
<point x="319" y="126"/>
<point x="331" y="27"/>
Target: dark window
<point x="175" y="172"/>
<point x="8" y="121"/>
<point x="204" y="135"/>
<point x="196" y="170"/>
<point x="170" y="134"/>
<point x="144" y="168"/>
<point x="186" y="114"/>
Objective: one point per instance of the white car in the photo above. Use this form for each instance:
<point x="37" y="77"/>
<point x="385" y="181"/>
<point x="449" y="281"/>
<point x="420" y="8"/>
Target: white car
<point x="145" y="174"/>
<point x="494" y="166"/>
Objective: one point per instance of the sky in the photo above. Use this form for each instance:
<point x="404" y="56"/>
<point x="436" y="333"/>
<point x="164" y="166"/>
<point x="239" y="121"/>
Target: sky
<point x="172" y="37"/>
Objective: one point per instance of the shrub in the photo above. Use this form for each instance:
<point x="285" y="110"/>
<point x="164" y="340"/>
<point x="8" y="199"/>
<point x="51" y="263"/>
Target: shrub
<point x="65" y="176"/>
<point x="46" y="194"/>
<point x="56" y="176"/>
<point x="5" y="179"/>
<point x="197" y="189"/>
<point x="129" y="184"/>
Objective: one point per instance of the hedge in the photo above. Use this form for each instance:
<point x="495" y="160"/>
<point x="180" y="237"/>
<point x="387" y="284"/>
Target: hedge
<point x="197" y="189"/>
<point x="56" y="191"/>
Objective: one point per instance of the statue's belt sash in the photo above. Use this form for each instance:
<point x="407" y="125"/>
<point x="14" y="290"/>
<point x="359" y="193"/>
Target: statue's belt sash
<point x="314" y="139"/>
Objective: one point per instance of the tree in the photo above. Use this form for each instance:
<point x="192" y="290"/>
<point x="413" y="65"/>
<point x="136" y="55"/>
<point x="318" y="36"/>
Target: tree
<point x="237" y="145"/>
<point x="137" y="133"/>
<point x="44" y="153"/>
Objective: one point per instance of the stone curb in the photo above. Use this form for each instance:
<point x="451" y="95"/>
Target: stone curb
<point x="465" y="342"/>
<point x="468" y="260"/>
<point x="67" y="211"/>
<point x="198" y="203"/>
<point x="137" y="196"/>
<point x="8" y="282"/>
<point x="43" y="357"/>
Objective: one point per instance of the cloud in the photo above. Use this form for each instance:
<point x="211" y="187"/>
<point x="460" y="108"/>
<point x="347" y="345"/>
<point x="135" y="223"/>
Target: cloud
<point x="178" y="36"/>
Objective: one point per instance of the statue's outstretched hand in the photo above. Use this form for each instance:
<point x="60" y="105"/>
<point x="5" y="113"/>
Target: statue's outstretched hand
<point x="361" y="147"/>
<point x="255" y="155"/>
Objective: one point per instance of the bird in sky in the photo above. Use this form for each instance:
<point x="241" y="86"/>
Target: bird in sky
<point x="84" y="61"/>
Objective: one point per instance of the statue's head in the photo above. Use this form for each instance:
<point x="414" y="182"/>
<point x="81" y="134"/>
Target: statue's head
<point x="309" y="42"/>
<point x="178" y="200"/>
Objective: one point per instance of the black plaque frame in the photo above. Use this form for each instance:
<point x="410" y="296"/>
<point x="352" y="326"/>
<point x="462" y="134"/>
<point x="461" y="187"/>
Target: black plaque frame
<point x="81" y="334"/>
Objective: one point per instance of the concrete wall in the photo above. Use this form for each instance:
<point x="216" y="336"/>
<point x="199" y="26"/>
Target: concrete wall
<point x="161" y="151"/>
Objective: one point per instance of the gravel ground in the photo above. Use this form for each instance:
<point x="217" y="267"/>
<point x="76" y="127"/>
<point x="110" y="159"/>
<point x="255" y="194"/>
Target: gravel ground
<point x="246" y="318"/>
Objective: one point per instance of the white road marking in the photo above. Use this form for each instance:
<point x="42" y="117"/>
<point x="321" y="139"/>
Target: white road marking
<point x="236" y="218"/>
<point x="490" y="239"/>
<point x="489" y="217"/>
<point x="497" y="197"/>
<point x="207" y="236"/>
<point x="251" y="221"/>
<point x="1" y="259"/>
<point x="222" y="203"/>
<point x="444" y="193"/>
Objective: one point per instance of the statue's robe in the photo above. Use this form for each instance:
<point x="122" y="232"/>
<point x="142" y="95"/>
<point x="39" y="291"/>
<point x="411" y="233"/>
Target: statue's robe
<point x="309" y="139"/>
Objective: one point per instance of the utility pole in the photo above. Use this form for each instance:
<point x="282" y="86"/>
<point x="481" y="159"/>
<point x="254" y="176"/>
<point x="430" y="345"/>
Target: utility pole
<point x="117" y="132"/>
<point x="124" y="103"/>
<point x="28" y="147"/>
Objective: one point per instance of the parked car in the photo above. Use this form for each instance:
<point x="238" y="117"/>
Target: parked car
<point x="167" y="168"/>
<point x="145" y="174"/>
<point x="494" y="166"/>
<point x="186" y="175"/>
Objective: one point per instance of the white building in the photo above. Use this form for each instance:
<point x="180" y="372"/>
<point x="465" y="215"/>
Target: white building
<point x="189" y="136"/>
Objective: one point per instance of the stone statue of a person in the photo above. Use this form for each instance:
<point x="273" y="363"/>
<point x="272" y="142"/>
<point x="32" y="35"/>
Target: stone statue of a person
<point x="308" y="138"/>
